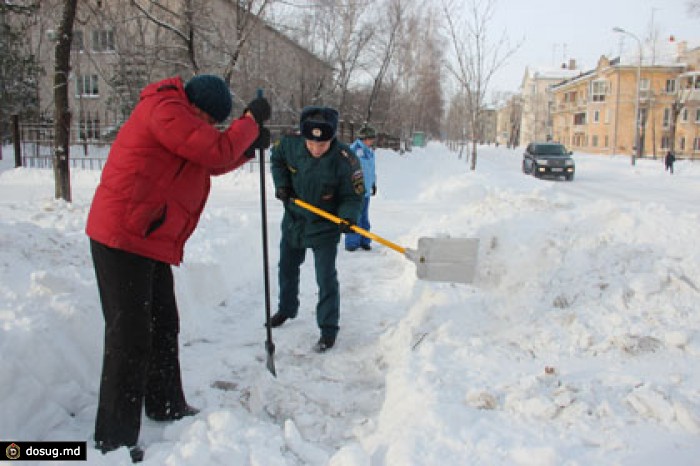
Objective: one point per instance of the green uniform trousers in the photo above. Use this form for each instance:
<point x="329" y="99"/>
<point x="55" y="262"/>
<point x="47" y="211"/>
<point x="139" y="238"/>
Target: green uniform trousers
<point x="328" y="306"/>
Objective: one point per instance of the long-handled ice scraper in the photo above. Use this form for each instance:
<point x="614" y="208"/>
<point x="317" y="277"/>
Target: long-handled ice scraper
<point x="269" y="345"/>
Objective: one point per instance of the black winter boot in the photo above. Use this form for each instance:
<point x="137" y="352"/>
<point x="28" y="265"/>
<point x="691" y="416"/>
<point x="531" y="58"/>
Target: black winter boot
<point x="324" y="344"/>
<point x="174" y="415"/>
<point x="277" y="320"/>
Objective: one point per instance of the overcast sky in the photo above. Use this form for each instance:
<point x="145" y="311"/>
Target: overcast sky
<point x="554" y="31"/>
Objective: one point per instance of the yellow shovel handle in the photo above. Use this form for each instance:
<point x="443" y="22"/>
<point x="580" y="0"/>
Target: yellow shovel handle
<point x="355" y="228"/>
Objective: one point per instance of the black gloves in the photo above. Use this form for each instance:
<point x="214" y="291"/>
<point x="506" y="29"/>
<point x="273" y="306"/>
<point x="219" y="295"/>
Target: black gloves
<point x="263" y="140"/>
<point x="345" y="225"/>
<point x="285" y="193"/>
<point x="374" y="189"/>
<point x="260" y="108"/>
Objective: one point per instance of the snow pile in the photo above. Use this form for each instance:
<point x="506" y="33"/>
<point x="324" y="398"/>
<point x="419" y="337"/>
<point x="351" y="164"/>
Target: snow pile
<point x="578" y="343"/>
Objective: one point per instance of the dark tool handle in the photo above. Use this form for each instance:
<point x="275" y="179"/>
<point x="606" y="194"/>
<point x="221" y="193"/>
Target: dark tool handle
<point x="269" y="345"/>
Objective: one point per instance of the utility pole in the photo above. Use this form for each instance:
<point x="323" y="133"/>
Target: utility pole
<point x="637" y="152"/>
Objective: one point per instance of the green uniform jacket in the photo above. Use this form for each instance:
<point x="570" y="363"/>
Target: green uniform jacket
<point x="332" y="182"/>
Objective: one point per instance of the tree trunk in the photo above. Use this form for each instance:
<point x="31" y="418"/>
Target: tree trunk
<point x="62" y="116"/>
<point x="676" y="108"/>
<point x="16" y="141"/>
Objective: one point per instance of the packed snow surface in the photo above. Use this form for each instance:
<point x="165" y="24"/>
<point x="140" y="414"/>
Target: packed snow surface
<point x="578" y="342"/>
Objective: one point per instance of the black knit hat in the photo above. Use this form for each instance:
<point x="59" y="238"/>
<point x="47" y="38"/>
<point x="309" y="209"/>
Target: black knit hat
<point x="210" y="94"/>
<point x="318" y="123"/>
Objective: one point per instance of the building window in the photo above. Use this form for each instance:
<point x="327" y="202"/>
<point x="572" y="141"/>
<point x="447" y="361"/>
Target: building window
<point x="607" y="141"/>
<point x="570" y="96"/>
<point x="580" y="119"/>
<point x="89" y="128"/>
<point x="687" y="83"/>
<point x="697" y="115"/>
<point x="670" y="86"/>
<point x="86" y="86"/>
<point x="599" y="89"/>
<point x="665" y="142"/>
<point x="595" y="141"/>
<point x="667" y="117"/>
<point x="596" y="116"/>
<point x="696" y="144"/>
<point x="77" y="44"/>
<point x="103" y="41"/>
<point x="684" y="115"/>
<point x="681" y="143"/>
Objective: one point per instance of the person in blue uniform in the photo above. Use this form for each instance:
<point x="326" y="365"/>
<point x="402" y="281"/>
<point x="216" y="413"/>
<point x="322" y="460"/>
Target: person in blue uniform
<point x="363" y="148"/>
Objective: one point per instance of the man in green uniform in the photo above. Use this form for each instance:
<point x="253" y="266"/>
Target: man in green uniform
<point x="317" y="168"/>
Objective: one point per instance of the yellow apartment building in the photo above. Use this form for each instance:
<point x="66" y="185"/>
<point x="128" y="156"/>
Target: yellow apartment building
<point x="595" y="111"/>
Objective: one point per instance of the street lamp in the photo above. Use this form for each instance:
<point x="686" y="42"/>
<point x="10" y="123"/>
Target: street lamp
<point x="638" y="146"/>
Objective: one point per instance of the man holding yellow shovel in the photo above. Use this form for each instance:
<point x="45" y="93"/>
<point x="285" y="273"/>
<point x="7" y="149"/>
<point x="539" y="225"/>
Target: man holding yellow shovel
<point x="321" y="170"/>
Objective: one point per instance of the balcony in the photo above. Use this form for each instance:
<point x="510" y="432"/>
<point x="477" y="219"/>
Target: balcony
<point x="689" y="86"/>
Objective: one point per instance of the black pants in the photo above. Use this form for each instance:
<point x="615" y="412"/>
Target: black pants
<point x="141" y="362"/>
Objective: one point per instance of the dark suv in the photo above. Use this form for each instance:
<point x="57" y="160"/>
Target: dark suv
<point x="548" y="159"/>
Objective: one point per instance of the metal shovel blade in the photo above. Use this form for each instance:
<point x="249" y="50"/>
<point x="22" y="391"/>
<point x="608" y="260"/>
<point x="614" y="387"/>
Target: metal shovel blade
<point x="445" y="259"/>
<point x="270" y="363"/>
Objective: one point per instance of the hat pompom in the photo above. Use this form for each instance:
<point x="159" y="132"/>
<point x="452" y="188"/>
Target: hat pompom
<point x="318" y="123"/>
<point x="210" y="94"/>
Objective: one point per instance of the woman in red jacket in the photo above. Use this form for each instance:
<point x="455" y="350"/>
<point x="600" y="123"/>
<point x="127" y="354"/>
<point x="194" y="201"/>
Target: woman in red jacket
<point x="152" y="191"/>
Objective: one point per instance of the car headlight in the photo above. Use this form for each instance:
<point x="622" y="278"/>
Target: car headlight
<point x="542" y="162"/>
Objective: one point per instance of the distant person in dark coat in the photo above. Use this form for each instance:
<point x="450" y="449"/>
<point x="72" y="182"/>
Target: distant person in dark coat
<point x="151" y="194"/>
<point x="670" y="158"/>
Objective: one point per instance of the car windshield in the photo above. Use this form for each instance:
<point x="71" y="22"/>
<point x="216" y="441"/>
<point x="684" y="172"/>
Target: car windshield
<point x="550" y="149"/>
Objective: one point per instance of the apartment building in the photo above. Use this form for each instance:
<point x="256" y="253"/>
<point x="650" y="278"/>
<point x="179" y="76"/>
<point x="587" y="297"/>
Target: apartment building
<point x="508" y="119"/>
<point x="595" y="111"/>
<point x="118" y="49"/>
<point x="536" y="100"/>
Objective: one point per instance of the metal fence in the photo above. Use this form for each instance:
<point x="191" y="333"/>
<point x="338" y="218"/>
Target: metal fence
<point x="36" y="145"/>
<point x="36" y="142"/>
<point x="46" y="161"/>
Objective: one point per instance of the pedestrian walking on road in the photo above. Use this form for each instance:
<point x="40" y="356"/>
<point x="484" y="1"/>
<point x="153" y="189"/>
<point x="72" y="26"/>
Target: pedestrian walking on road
<point x="670" y="158"/>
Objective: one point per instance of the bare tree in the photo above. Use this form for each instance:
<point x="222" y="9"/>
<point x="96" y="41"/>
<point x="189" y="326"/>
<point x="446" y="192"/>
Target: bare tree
<point x="62" y="118"/>
<point x="339" y="31"/>
<point x="679" y="103"/>
<point x="396" y="10"/>
<point x="248" y="17"/>
<point x="180" y="22"/>
<point x="476" y="57"/>
<point x="414" y="79"/>
<point x="197" y="27"/>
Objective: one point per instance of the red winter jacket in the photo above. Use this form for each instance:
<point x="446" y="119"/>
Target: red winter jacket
<point x="157" y="176"/>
